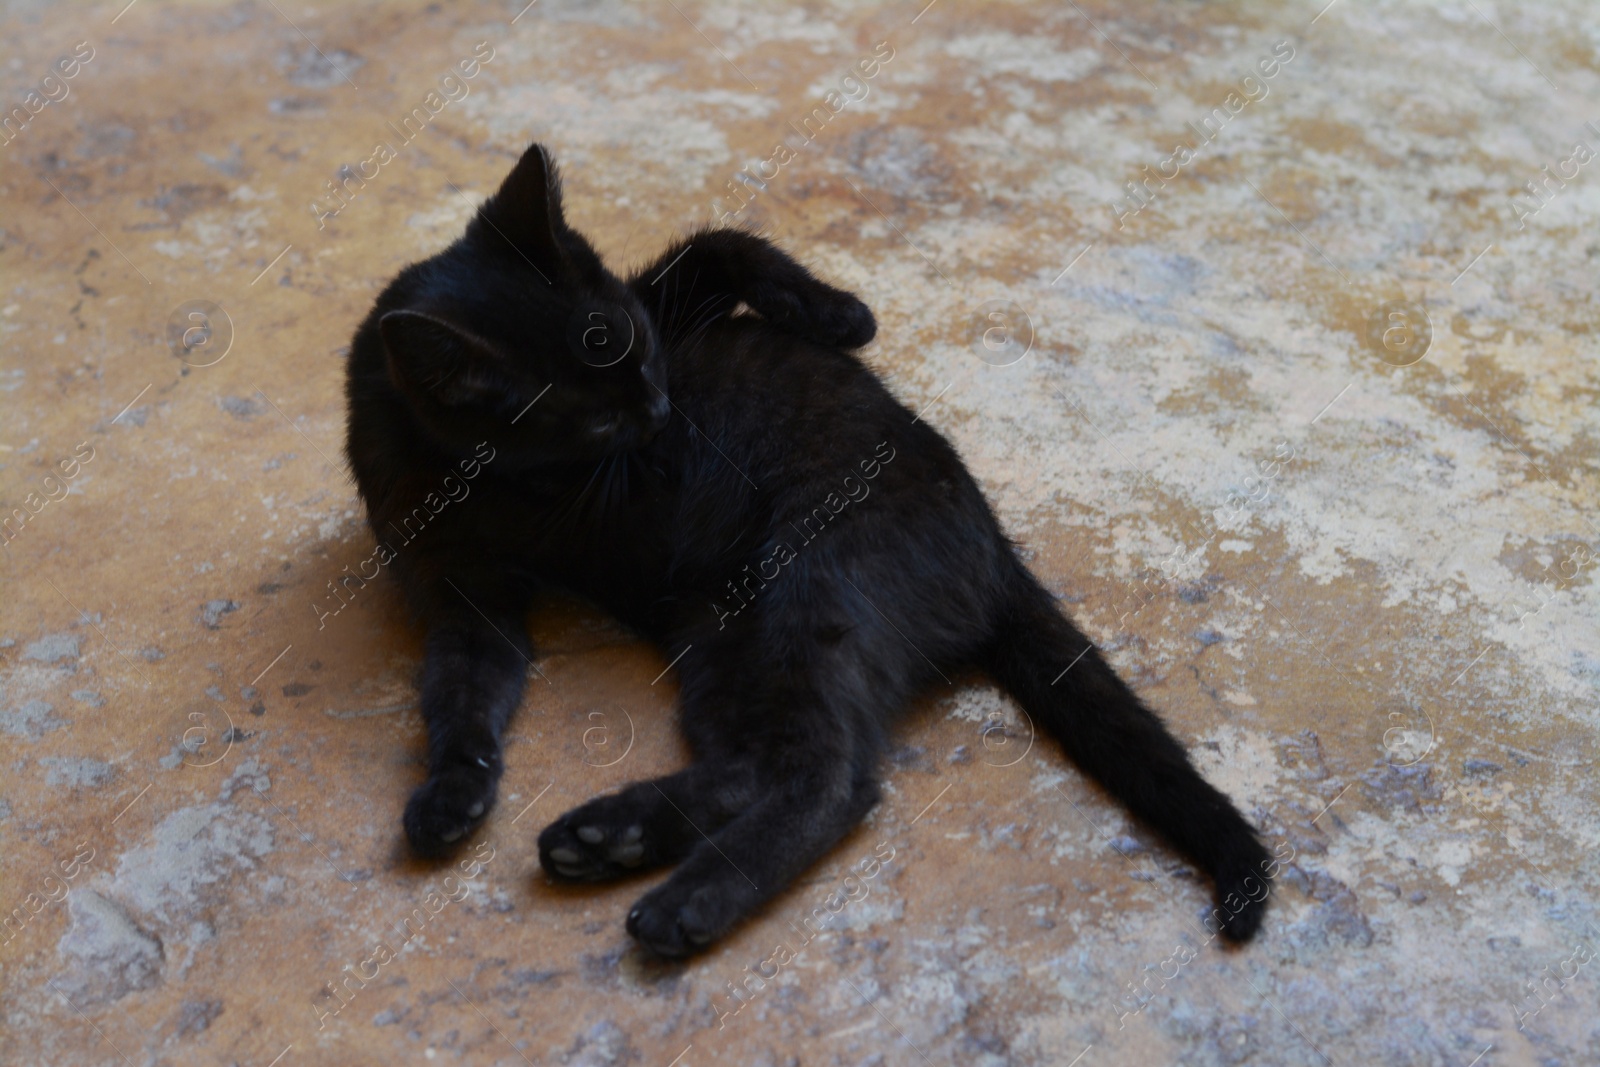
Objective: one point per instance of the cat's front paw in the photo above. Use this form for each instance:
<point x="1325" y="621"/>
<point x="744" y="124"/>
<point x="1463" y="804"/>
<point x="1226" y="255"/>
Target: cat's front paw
<point x="447" y="807"/>
<point x="684" y="915"/>
<point x="821" y="313"/>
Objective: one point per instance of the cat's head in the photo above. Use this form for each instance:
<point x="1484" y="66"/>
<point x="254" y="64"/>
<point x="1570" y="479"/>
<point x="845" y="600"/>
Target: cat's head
<point x="519" y="334"/>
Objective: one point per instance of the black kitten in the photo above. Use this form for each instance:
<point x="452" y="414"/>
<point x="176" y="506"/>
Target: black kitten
<point x="747" y="494"/>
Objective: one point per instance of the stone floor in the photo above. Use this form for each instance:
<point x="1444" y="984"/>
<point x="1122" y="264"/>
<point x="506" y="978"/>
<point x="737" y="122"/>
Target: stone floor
<point x="1303" y="428"/>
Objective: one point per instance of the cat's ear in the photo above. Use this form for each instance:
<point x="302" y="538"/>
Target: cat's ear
<point x="527" y="209"/>
<point x="443" y="361"/>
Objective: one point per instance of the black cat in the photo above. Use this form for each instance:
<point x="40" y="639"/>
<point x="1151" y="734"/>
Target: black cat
<point x="747" y="494"/>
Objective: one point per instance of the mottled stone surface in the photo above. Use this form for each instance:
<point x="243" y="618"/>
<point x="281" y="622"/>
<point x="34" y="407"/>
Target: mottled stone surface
<point x="1350" y="556"/>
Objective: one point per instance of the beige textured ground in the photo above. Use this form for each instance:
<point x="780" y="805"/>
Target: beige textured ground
<point x="1377" y="624"/>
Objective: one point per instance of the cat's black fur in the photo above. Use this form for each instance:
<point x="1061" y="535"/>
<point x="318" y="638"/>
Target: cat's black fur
<point x="661" y="487"/>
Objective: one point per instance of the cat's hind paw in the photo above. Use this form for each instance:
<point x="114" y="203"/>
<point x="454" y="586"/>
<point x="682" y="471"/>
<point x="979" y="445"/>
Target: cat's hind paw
<point x="818" y="313"/>
<point x="680" y="918"/>
<point x="593" y="844"/>
<point x="447" y="807"/>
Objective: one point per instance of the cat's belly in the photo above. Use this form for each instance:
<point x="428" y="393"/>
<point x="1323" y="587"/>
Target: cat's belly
<point x="644" y="584"/>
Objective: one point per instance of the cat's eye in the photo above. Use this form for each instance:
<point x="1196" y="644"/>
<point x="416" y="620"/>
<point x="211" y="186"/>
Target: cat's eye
<point x="603" y="426"/>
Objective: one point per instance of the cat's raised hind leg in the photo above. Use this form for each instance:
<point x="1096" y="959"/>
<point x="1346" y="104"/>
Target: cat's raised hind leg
<point x="476" y="663"/>
<point x="709" y="273"/>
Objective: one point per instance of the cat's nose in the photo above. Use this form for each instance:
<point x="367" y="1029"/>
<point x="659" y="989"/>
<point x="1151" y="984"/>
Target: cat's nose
<point x="660" y="412"/>
<point x="604" y="427"/>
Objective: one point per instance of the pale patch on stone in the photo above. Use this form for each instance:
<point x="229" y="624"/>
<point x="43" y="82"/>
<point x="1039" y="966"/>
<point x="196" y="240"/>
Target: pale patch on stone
<point x="1242" y="763"/>
<point x="981" y="703"/>
<point x="31" y="719"/>
<point x="71" y="773"/>
<point x="387" y="693"/>
<point x="188" y="857"/>
<point x="52" y="648"/>
<point x="1033" y="56"/>
<point x="107" y="955"/>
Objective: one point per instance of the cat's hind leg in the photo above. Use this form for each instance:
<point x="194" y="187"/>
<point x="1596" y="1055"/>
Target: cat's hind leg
<point x="659" y="821"/>
<point x="648" y="824"/>
<point x="709" y="273"/>
<point x="816" y="749"/>
<point x="753" y="859"/>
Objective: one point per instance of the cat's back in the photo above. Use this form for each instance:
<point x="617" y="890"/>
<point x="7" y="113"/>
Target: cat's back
<point x="783" y="420"/>
<point x="776" y="393"/>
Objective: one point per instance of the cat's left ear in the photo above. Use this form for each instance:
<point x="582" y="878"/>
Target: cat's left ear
<point x="438" y="359"/>
<point x="527" y="209"/>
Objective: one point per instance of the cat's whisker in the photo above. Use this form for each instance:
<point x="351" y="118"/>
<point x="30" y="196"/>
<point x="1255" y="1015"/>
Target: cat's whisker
<point x="694" y="325"/>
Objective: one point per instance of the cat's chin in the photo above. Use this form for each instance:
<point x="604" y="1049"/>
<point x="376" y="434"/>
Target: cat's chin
<point x="616" y="443"/>
<point x="558" y="466"/>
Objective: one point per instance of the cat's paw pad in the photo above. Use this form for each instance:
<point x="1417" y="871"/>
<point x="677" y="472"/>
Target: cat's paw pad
<point x="447" y="807"/>
<point x="590" y="845"/>
<point x="675" y="922"/>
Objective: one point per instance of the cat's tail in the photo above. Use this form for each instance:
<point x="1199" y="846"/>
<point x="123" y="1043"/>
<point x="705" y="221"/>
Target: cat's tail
<point x="1070" y="692"/>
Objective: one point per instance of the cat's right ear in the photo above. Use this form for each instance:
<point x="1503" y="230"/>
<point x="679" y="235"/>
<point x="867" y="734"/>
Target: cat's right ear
<point x="431" y="357"/>
<point x="527" y="209"/>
